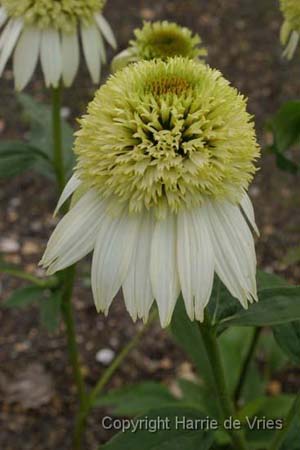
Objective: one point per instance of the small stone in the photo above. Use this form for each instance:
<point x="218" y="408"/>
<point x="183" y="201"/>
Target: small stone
<point x="105" y="356"/>
<point x="9" y="245"/>
<point x="147" y="13"/>
<point x="30" y="248"/>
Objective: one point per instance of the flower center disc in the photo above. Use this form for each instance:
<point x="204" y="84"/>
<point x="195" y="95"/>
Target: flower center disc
<point x="167" y="135"/>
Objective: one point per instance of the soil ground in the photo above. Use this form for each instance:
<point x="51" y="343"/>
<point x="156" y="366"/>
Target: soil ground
<point x="242" y="41"/>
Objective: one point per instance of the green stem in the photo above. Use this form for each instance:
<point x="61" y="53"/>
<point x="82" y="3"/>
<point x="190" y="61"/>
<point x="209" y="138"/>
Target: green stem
<point x="58" y="160"/>
<point x="68" y="277"/>
<point x="247" y="362"/>
<point x="225" y="403"/>
<point x="281" y="434"/>
<point x="104" y="379"/>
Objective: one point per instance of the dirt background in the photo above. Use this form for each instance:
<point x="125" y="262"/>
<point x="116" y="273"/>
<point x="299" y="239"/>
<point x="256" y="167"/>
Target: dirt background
<point x="242" y="41"/>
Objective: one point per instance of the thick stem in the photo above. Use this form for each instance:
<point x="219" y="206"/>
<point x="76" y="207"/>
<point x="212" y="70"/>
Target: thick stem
<point x="282" y="434"/>
<point x="68" y="277"/>
<point x="104" y="379"/>
<point x="246" y="365"/>
<point x="225" y="403"/>
<point x="58" y="160"/>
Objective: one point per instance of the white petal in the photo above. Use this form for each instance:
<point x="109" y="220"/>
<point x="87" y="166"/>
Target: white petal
<point x="195" y="261"/>
<point x="234" y="250"/>
<point x="91" y="48"/>
<point x="71" y="186"/>
<point x="112" y="257"/>
<point x="292" y="45"/>
<point x="70" y="57"/>
<point x="137" y="286"/>
<point x="9" y="39"/>
<point x="123" y="59"/>
<point x="3" y="16"/>
<point x="248" y="209"/>
<point x="51" y="57"/>
<point x="204" y="267"/>
<point x="26" y="56"/>
<point x="106" y="30"/>
<point x="75" y="235"/>
<point x="163" y="268"/>
<point x="102" y="50"/>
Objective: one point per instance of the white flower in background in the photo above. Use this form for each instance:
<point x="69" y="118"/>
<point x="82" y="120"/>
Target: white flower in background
<point x="290" y="30"/>
<point x="160" y="40"/>
<point x="164" y="158"/>
<point x="50" y="30"/>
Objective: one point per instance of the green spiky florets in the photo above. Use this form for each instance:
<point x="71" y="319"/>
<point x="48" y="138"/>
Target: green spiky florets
<point x="60" y="14"/>
<point x="167" y="135"/>
<point x="166" y="39"/>
<point x="291" y="12"/>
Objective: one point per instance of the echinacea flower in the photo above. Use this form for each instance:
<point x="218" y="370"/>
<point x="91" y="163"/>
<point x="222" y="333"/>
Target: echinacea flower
<point x="164" y="158"/>
<point x="290" y="30"/>
<point x="51" y="30"/>
<point x="160" y="40"/>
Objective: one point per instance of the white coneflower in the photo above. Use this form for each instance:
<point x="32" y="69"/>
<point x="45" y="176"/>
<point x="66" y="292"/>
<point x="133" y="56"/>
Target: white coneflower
<point x="50" y="30"/>
<point x="160" y="40"/>
<point x="290" y="30"/>
<point x="164" y="158"/>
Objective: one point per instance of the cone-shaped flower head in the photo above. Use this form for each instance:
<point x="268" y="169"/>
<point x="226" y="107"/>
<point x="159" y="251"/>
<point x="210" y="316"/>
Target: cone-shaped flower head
<point x="160" y="40"/>
<point x="50" y="30"/>
<point x="290" y="30"/>
<point x="164" y="158"/>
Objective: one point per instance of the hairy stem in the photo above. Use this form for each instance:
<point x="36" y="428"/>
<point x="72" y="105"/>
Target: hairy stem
<point x="68" y="277"/>
<point x="225" y="402"/>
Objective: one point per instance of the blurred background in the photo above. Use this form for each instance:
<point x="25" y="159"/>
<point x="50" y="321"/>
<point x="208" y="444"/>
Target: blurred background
<point x="36" y="394"/>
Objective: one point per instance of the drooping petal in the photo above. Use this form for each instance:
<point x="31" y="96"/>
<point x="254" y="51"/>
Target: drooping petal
<point x="91" y="48"/>
<point x="70" y="56"/>
<point x="51" y="57"/>
<point x="112" y="256"/>
<point x="26" y="56"/>
<point x="137" y="286"/>
<point x="163" y="267"/>
<point x="9" y="39"/>
<point x="292" y="45"/>
<point x="102" y="50"/>
<point x="71" y="186"/>
<point x="234" y="250"/>
<point x="195" y="261"/>
<point x="204" y="267"/>
<point x="106" y="30"/>
<point x="75" y="235"/>
<point x="3" y="16"/>
<point x="248" y="209"/>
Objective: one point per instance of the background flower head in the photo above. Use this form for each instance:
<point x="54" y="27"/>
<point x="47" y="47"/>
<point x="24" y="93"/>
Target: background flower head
<point x="161" y="40"/>
<point x="50" y="30"/>
<point x="164" y="157"/>
<point x="290" y="30"/>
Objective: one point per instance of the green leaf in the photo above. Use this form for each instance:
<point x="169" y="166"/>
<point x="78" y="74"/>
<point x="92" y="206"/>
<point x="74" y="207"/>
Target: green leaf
<point x="137" y="399"/>
<point x="187" y="335"/>
<point x="275" y="306"/>
<point x="288" y="338"/>
<point x="40" y="135"/>
<point x="197" y="395"/>
<point x="292" y="441"/>
<point x="285" y="125"/>
<point x="270" y="407"/>
<point x="172" y="436"/>
<point x="23" y="297"/>
<point x="233" y="353"/>
<point x="16" y="157"/>
<point x="50" y="311"/>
